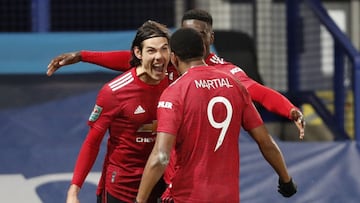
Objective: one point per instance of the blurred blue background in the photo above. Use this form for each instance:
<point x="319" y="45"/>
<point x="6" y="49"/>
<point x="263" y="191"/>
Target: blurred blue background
<point x="307" y="50"/>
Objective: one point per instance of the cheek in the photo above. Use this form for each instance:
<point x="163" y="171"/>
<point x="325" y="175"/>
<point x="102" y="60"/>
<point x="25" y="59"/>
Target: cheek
<point x="166" y="53"/>
<point x="146" y="60"/>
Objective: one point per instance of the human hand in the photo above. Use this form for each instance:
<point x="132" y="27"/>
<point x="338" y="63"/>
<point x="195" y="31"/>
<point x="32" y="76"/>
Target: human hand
<point x="72" y="194"/>
<point x="63" y="60"/>
<point x="287" y="189"/>
<point x="299" y="121"/>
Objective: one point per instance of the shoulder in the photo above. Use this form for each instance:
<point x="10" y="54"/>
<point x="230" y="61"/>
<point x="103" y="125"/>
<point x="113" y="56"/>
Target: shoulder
<point x="231" y="68"/>
<point x="214" y="59"/>
<point x="120" y="81"/>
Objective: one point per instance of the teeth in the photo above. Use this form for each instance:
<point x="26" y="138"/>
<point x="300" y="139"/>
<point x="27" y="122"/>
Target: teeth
<point x="158" y="65"/>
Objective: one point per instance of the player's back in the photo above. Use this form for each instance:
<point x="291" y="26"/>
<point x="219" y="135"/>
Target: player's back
<point x="207" y="142"/>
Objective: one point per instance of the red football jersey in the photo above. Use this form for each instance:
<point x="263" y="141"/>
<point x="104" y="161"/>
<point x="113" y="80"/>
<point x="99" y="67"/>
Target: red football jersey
<point x="205" y="109"/>
<point x="270" y="99"/>
<point x="267" y="97"/>
<point x="126" y="107"/>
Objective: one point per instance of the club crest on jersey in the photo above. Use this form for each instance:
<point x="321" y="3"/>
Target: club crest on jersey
<point x="95" y="113"/>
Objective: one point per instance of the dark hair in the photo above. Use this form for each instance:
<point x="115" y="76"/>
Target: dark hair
<point x="186" y="43"/>
<point x="197" y="14"/>
<point x="149" y="29"/>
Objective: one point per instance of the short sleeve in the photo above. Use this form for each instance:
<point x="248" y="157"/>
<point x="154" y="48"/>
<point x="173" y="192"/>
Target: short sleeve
<point x="105" y="109"/>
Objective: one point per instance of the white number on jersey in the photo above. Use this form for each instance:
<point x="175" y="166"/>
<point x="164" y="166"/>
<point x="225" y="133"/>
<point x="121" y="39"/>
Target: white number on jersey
<point x="225" y="123"/>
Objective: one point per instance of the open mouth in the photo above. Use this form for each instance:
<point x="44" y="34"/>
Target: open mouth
<point x="159" y="68"/>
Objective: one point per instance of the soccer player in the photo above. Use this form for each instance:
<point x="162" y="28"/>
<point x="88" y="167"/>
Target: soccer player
<point x="121" y="110"/>
<point x="201" y="21"/>
<point x="201" y="114"/>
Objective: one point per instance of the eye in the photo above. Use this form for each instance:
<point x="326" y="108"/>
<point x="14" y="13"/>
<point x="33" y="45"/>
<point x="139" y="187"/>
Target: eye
<point x="150" y="51"/>
<point x="165" y="48"/>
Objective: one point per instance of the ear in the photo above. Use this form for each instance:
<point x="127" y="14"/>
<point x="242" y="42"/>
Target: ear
<point x="212" y="37"/>
<point x="174" y="59"/>
<point x="137" y="52"/>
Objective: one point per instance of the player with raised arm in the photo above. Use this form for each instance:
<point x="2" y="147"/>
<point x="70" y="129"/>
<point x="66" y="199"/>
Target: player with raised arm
<point x="201" y="21"/>
<point x="122" y="110"/>
<point x="201" y="114"/>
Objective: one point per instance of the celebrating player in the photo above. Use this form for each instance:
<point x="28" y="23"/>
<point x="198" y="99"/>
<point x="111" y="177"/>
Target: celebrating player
<point x="121" y="110"/>
<point x="205" y="131"/>
<point x="201" y="21"/>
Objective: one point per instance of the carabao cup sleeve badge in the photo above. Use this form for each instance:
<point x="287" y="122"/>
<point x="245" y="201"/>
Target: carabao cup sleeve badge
<point x="95" y="113"/>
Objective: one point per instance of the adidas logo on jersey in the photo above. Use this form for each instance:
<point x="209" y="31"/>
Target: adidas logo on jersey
<point x="139" y="110"/>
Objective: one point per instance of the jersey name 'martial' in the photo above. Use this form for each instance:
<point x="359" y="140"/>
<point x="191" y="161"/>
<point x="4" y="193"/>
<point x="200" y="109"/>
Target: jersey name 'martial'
<point x="213" y="84"/>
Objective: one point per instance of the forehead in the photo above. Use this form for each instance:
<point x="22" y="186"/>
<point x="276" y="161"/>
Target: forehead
<point x="155" y="42"/>
<point x="195" y="24"/>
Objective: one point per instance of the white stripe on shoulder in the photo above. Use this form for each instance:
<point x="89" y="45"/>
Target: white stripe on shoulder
<point x="121" y="82"/>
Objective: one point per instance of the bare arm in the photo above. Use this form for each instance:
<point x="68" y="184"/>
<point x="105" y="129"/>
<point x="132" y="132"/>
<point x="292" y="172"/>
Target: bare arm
<point x="270" y="151"/>
<point x="63" y="60"/>
<point x="72" y="194"/>
<point x="155" y="165"/>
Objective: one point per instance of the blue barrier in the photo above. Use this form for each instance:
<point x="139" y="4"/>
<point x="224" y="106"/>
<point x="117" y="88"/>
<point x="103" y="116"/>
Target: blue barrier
<point x="39" y="145"/>
<point x="23" y="53"/>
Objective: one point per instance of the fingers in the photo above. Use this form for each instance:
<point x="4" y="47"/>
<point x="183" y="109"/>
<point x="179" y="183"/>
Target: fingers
<point x="52" y="67"/>
<point x="55" y="64"/>
<point x="300" y="124"/>
<point x="299" y="121"/>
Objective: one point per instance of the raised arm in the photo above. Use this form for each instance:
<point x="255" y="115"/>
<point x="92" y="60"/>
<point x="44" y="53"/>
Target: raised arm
<point x="277" y="103"/>
<point x="115" y="60"/>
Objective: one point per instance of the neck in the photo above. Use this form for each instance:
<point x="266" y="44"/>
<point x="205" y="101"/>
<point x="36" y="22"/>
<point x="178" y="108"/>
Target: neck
<point x="197" y="63"/>
<point x="184" y="66"/>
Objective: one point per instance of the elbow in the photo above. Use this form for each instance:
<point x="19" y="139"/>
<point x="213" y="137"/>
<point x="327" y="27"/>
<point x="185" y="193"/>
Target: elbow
<point x="160" y="160"/>
<point x="163" y="159"/>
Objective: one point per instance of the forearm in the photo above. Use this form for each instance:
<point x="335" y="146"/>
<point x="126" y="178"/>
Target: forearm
<point x="272" y="100"/>
<point x="73" y="190"/>
<point x="153" y="171"/>
<point x="115" y="60"/>
<point x="274" y="157"/>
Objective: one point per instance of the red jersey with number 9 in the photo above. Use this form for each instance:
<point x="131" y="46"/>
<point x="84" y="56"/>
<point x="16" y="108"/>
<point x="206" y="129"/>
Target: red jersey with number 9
<point x="205" y="109"/>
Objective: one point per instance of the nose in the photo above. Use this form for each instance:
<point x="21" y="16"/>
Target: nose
<point x="158" y="55"/>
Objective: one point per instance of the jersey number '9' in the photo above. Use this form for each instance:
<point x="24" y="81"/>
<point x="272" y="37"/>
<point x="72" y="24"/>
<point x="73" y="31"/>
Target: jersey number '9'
<point x="225" y="123"/>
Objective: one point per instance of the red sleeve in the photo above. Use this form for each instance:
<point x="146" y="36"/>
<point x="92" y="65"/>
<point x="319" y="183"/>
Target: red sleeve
<point x="87" y="156"/>
<point x="272" y="100"/>
<point x="115" y="60"/>
<point x="99" y="122"/>
<point x="250" y="118"/>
